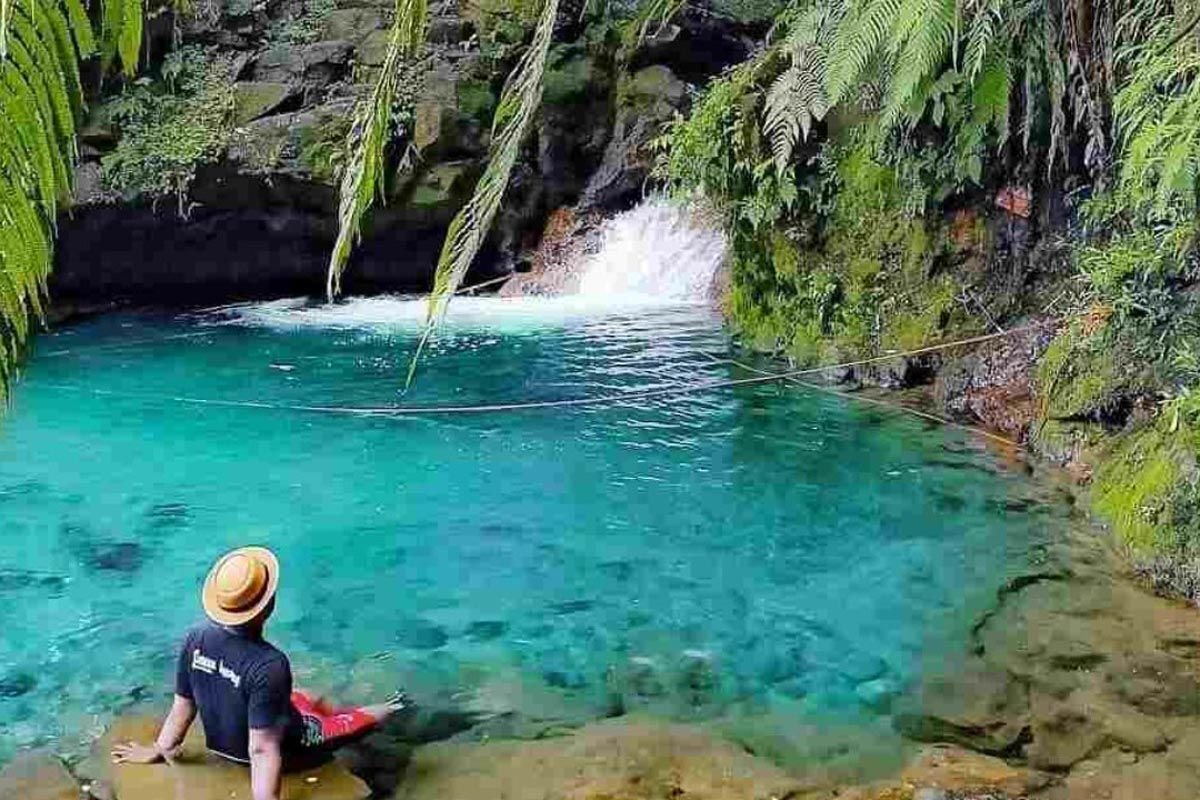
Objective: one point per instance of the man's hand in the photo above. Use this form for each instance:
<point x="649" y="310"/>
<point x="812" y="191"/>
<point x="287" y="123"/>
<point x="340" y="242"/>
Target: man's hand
<point x="134" y="753"/>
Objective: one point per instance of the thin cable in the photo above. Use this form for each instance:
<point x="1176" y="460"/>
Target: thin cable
<point x="916" y="412"/>
<point x="625" y="397"/>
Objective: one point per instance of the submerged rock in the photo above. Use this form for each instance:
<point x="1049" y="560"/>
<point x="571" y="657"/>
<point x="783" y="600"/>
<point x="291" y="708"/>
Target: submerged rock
<point x="981" y="707"/>
<point x="17" y="579"/>
<point x="116" y="557"/>
<point x="418" y="634"/>
<point x="17" y="684"/>
<point x="37" y="776"/>
<point x="485" y="630"/>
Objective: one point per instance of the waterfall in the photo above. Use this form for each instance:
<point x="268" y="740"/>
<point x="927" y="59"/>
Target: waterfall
<point x="658" y="250"/>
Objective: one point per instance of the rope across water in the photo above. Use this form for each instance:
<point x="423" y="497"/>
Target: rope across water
<point x="601" y="400"/>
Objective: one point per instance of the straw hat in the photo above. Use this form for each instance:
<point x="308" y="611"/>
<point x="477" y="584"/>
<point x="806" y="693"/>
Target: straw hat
<point x="240" y="585"/>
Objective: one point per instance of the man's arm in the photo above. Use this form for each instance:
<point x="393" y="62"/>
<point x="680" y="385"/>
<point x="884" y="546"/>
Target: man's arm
<point x="266" y="763"/>
<point x="170" y="737"/>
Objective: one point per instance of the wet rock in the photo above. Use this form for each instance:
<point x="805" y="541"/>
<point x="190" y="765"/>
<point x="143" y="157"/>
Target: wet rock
<point x="643" y="678"/>
<point x="418" y="634"/>
<point x="426" y="725"/>
<point x="1063" y="737"/>
<point x="37" y="776"/>
<point x="17" y="684"/>
<point x="618" y="759"/>
<point x="962" y="773"/>
<point x="565" y="679"/>
<point x="351" y="25"/>
<point x="877" y="695"/>
<point x="567" y="239"/>
<point x="1157" y="684"/>
<point x="485" y="630"/>
<point x="199" y="775"/>
<point x="981" y="707"/>
<point x="379" y="760"/>
<point x="698" y="679"/>
<point x="314" y="64"/>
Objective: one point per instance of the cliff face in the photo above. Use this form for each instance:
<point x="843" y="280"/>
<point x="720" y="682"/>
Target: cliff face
<point x="215" y="178"/>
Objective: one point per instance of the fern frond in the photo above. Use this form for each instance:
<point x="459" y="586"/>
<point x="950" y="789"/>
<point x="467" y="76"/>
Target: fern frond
<point x="983" y="30"/>
<point x="469" y="229"/>
<point x="370" y="134"/>
<point x="794" y="102"/>
<point x="860" y="38"/>
<point x="81" y="28"/>
<point x="41" y="102"/>
<point x="991" y="93"/>
<point x="924" y="39"/>
<point x="654" y="14"/>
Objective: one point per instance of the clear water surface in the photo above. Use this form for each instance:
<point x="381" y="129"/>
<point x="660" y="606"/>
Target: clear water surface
<point x="761" y="553"/>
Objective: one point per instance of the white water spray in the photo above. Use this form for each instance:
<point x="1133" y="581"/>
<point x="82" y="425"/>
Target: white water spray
<point x="658" y="251"/>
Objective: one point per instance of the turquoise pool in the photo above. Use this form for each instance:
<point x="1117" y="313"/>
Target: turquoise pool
<point x="758" y="550"/>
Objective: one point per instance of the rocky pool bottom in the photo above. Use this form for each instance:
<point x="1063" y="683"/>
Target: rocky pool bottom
<point x="1078" y="684"/>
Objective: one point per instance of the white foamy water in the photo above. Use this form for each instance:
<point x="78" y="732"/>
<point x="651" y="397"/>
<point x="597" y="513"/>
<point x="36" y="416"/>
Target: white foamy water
<point x="657" y="254"/>
<point x="407" y="314"/>
<point x="657" y="250"/>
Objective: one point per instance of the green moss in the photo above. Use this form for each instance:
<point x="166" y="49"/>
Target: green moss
<point x="501" y="23"/>
<point x="476" y="101"/>
<point x="568" y="77"/>
<point x="1146" y="482"/>
<point x="1085" y="373"/>
<point x="322" y="147"/>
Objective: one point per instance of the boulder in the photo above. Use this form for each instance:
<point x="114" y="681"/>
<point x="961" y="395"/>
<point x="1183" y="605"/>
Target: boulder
<point x="351" y="25"/>
<point x="254" y="99"/>
<point x="199" y="775"/>
<point x="316" y="64"/>
<point x="37" y="776"/>
<point x="646" y="100"/>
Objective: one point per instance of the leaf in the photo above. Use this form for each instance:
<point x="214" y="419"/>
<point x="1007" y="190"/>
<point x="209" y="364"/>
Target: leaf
<point x="362" y="180"/>
<point x="468" y="230"/>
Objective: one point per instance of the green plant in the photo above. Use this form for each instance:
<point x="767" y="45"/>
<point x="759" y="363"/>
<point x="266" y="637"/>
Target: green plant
<point x="171" y="126"/>
<point x="370" y="133"/>
<point x="308" y="26"/>
<point x="41" y="103"/>
<point x="518" y="105"/>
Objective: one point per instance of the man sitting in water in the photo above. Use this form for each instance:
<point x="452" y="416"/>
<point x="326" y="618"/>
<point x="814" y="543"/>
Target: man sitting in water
<point x="242" y="685"/>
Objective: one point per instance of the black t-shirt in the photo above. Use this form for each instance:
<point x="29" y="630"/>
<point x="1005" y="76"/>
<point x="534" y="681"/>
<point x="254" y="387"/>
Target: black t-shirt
<point x="238" y="682"/>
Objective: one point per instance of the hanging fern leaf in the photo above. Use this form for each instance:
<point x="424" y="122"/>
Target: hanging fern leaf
<point x="41" y="102"/>
<point x="518" y="105"/>
<point x="469" y="229"/>
<point x="80" y="27"/>
<point x="793" y="103"/>
<point x="129" y="42"/>
<point x="362" y="180"/>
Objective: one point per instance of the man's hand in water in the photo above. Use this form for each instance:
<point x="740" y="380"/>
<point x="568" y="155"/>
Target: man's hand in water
<point x="134" y="753"/>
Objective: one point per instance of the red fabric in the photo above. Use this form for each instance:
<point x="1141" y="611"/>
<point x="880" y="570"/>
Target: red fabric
<point x="335" y="723"/>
